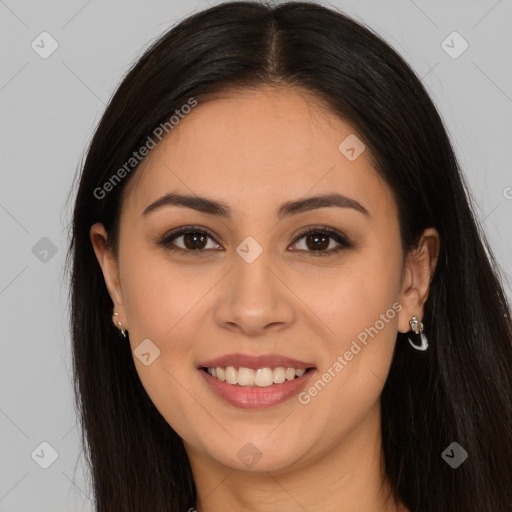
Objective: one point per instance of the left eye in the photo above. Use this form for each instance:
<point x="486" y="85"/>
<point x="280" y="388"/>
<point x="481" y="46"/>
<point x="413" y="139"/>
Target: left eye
<point x="317" y="240"/>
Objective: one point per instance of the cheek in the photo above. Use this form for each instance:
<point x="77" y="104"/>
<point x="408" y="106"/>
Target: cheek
<point x="361" y="310"/>
<point x="162" y="303"/>
<point x="156" y="294"/>
<point x="362" y="300"/>
<point x="159" y="305"/>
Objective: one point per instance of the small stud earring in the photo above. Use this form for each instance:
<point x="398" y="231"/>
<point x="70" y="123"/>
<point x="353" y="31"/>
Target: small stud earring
<point x="417" y="328"/>
<point x="118" y="323"/>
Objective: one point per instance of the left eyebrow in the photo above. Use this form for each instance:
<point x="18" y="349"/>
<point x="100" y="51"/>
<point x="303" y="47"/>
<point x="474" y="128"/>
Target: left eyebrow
<point x="212" y="207"/>
<point x="322" y="201"/>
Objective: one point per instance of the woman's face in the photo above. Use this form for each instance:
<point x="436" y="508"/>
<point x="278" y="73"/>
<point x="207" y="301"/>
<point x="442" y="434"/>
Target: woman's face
<point x="250" y="289"/>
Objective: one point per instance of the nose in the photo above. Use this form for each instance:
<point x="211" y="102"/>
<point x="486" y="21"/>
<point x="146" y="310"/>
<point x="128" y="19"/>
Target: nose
<point x="255" y="299"/>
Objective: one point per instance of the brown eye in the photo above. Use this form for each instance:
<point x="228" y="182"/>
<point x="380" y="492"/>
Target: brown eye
<point x="318" y="240"/>
<point x="192" y="240"/>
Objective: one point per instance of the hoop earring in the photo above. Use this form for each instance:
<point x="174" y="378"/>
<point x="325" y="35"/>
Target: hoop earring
<point x="417" y="328"/>
<point x="118" y="323"/>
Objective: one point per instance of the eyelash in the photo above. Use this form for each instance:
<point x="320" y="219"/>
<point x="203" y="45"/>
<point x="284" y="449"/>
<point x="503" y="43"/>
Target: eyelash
<point x="340" y="239"/>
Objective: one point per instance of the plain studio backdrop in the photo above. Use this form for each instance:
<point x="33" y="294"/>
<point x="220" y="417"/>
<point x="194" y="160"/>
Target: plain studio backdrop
<point x="61" y="61"/>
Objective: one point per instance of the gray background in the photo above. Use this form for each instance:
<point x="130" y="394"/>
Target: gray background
<point x="49" y="110"/>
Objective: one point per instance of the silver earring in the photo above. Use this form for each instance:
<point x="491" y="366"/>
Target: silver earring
<point x="118" y="323"/>
<point x="417" y="328"/>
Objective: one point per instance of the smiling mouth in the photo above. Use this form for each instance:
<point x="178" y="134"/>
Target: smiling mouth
<point x="261" y="377"/>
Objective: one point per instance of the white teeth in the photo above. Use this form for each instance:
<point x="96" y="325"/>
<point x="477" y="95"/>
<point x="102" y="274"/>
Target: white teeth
<point x="246" y="377"/>
<point x="262" y="377"/>
<point x="231" y="375"/>
<point x="279" y="375"/>
<point x="290" y="374"/>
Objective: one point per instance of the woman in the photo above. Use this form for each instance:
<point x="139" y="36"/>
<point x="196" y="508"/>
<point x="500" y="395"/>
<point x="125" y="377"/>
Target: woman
<point x="308" y="316"/>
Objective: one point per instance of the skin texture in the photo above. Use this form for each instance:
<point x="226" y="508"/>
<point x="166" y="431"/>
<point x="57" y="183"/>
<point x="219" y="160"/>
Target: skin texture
<point x="254" y="150"/>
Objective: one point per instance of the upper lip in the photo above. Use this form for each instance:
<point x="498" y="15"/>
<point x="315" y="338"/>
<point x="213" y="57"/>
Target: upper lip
<point x="255" y="362"/>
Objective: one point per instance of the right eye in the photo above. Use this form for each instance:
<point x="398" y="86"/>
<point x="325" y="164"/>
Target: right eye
<point x="194" y="239"/>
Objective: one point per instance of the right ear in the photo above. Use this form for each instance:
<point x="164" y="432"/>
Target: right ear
<point x="110" y="268"/>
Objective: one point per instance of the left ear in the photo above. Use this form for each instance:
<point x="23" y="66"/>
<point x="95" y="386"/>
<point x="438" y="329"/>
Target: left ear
<point x="418" y="272"/>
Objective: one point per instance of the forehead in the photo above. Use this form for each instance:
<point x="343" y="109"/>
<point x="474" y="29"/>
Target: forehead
<point x="255" y="147"/>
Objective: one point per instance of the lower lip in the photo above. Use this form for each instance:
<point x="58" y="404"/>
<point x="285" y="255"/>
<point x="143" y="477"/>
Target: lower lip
<point x="254" y="397"/>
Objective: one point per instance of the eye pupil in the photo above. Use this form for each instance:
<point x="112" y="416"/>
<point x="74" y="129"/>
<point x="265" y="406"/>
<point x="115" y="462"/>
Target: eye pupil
<point x="316" y="245"/>
<point x="190" y="239"/>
